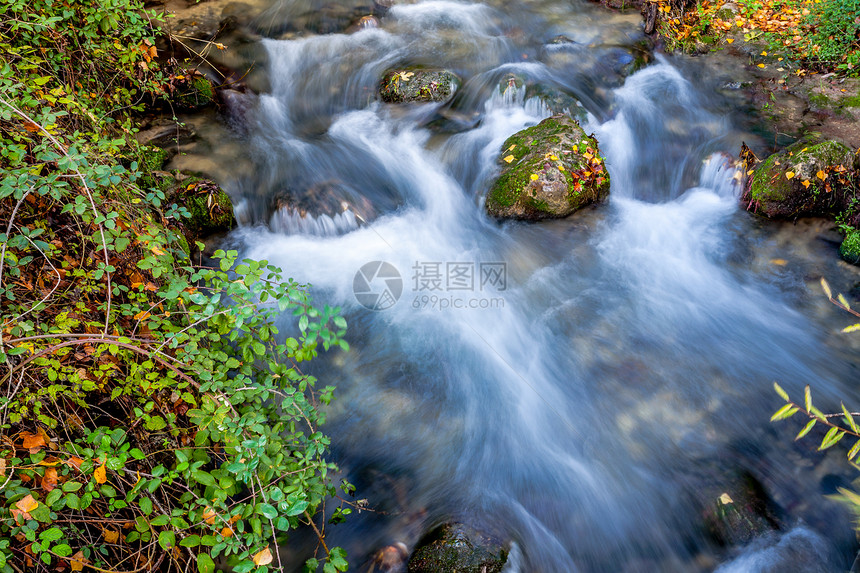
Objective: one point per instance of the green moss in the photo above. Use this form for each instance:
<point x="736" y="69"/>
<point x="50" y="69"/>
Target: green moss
<point x="819" y="100"/>
<point x="153" y="158"/>
<point x="853" y="101"/>
<point x="197" y="92"/>
<point x="849" y="250"/>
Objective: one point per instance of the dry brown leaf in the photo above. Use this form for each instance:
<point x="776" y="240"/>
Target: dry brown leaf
<point x="49" y="480"/>
<point x="227" y="532"/>
<point x="209" y="515"/>
<point x="74" y="462"/>
<point x="264" y="557"/>
<point x="33" y="442"/>
<point x="111" y="536"/>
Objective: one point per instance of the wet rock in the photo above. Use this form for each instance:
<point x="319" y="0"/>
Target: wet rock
<point x="549" y="170"/>
<point x="802" y="180"/>
<point x="327" y="208"/>
<point x="741" y="513"/>
<point x="417" y="85"/>
<point x="391" y="559"/>
<point x="164" y="132"/>
<point x="457" y="547"/>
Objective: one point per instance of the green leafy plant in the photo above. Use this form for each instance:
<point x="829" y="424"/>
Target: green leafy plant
<point x="152" y="415"/>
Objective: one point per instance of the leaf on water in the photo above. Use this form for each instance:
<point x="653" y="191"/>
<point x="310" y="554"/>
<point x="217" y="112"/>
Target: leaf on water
<point x="779" y="262"/>
<point x="264" y="557"/>
<point x="726" y="499"/>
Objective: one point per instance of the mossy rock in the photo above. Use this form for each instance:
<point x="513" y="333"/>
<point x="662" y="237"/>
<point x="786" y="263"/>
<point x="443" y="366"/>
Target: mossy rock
<point x="741" y="512"/>
<point x="849" y="250"/>
<point x="549" y="170"/>
<point x="454" y="547"/>
<point x="417" y="85"/>
<point x="209" y="206"/>
<point x="787" y="184"/>
<point x="194" y="92"/>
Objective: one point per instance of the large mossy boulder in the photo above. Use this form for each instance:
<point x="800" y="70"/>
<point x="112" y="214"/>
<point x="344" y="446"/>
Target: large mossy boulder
<point x="417" y="85"/>
<point x="549" y="170"/>
<point x="458" y="548"/>
<point x="808" y="178"/>
<point x="209" y="207"/>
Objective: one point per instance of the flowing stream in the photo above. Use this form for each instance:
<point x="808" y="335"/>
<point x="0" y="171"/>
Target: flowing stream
<point x="602" y="377"/>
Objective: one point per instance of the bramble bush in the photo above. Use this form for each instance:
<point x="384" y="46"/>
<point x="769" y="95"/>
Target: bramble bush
<point x="151" y="414"/>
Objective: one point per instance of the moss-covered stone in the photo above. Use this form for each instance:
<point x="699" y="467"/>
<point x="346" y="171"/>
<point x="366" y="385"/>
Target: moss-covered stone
<point x="789" y="184"/>
<point x="417" y="85"/>
<point x="549" y="170"/>
<point x="849" y="250"/>
<point x="458" y="548"/>
<point x="210" y="208"/>
<point x="153" y="158"/>
<point x="194" y="93"/>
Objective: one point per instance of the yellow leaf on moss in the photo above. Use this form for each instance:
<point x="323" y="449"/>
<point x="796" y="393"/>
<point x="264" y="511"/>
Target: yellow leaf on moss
<point x="509" y="158"/>
<point x="789" y="174"/>
<point x="730" y="40"/>
<point x="533" y="177"/>
<point x="821" y="175"/>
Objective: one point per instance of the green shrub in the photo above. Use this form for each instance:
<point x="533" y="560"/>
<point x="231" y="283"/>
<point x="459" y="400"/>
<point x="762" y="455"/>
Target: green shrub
<point x="835" y="39"/>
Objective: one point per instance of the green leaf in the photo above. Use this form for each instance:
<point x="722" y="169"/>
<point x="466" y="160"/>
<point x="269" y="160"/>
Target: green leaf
<point x="204" y="477"/>
<point x="145" y="505"/>
<point x="205" y="563"/>
<point x="807" y="397"/>
<point x="786" y="411"/>
<point x="849" y="419"/>
<point x="52" y="534"/>
<point x="782" y="393"/>
<point x="166" y="539"/>
<point x="337" y="557"/>
<point x="190" y="541"/>
<point x="160" y="521"/>
<point x="266" y="510"/>
<point x="805" y="429"/>
<point x="832" y="436"/>
<point x="62" y="550"/>
<point x="852" y="453"/>
<point x="297" y="508"/>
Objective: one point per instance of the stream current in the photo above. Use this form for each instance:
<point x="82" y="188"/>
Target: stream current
<point x="582" y="387"/>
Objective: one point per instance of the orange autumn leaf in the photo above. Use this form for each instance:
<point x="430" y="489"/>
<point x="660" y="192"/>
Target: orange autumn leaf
<point x="111" y="536"/>
<point x="264" y="557"/>
<point x="49" y="480"/>
<point x="821" y="175"/>
<point x="100" y="474"/>
<point x="209" y="516"/>
<point x="227" y="532"/>
<point x="23" y="507"/>
<point x="142" y="315"/>
<point x="789" y="174"/>
<point x="33" y="441"/>
<point x="74" y="462"/>
<point x="806" y="184"/>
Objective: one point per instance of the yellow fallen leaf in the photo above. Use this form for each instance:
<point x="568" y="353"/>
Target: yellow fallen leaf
<point x="730" y="40"/>
<point x="533" y="177"/>
<point x="100" y="474"/>
<point x="509" y="158"/>
<point x="821" y="175"/>
<point x="78" y="561"/>
<point x="764" y="53"/>
<point x="111" y="536"/>
<point x="761" y="65"/>
<point x="780" y="262"/>
<point x="806" y="184"/>
<point x="227" y="532"/>
<point x="725" y="499"/>
<point x="27" y="504"/>
<point x="264" y="557"/>
<point x="554" y="157"/>
<point x="789" y="174"/>
<point x="511" y="148"/>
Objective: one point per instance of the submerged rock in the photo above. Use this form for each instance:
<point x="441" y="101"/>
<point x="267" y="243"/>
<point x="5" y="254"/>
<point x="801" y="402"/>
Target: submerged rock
<point x="457" y="547"/>
<point x="417" y="85"/>
<point x="549" y="170"/>
<point x="808" y="178"/>
<point x="741" y="513"/>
